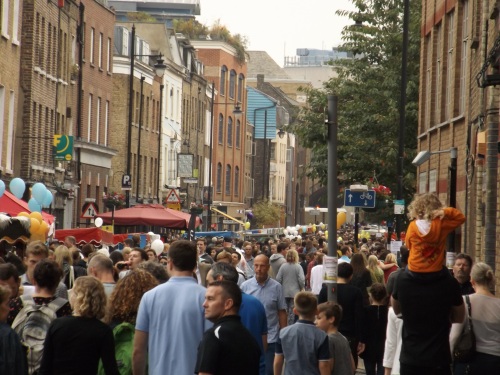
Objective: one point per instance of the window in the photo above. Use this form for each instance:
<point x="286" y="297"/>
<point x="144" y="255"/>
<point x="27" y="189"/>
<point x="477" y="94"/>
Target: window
<point x="232" y="83"/>
<point x="89" y="121"/>
<point x="241" y="82"/>
<point x="221" y="128"/>
<point x="98" y="120"/>
<point x="439" y="52"/>
<point x="228" y="179"/>
<point x="449" y="76"/>
<point x="272" y="151"/>
<point x="230" y="131"/>
<point x="463" y="62"/>
<point x="92" y="32"/>
<point x="106" y="123"/>
<point x="428" y="86"/>
<point x="100" y="49"/>
<point x="108" y="56"/>
<point x="10" y="130"/>
<point x="219" y="178"/>
<point x="236" y="180"/>
<point x="2" y="114"/>
<point x="422" y="182"/>
<point x="5" y="18"/>
<point x="223" y="74"/>
<point x="15" y="21"/>
<point x="238" y="133"/>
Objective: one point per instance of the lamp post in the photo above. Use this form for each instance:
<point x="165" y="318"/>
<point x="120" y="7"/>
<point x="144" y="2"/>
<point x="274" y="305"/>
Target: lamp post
<point x="139" y="140"/>
<point x="160" y="68"/>
<point x="333" y="187"/>
<point x="160" y="129"/>
<point x="424" y="156"/>
<point x="237" y="111"/>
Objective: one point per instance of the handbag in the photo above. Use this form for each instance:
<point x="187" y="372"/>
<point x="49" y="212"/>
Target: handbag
<point x="465" y="348"/>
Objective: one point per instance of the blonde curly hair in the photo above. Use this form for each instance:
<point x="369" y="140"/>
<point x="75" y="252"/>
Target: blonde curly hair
<point x="124" y="301"/>
<point x="423" y="206"/>
<point x="88" y="298"/>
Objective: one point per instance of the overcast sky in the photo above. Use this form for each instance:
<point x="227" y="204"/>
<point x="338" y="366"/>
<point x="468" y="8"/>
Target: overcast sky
<point x="279" y="27"/>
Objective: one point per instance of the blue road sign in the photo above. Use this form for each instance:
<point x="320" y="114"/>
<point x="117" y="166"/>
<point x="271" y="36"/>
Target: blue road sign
<point x="365" y="199"/>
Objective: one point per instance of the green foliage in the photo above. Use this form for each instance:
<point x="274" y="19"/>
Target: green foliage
<point x="195" y="30"/>
<point x="140" y="17"/>
<point x="368" y="89"/>
<point x="266" y="213"/>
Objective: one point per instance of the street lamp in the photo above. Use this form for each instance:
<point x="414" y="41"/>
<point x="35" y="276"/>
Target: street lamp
<point x="281" y="133"/>
<point x="160" y="68"/>
<point x="424" y="156"/>
<point x="236" y="111"/>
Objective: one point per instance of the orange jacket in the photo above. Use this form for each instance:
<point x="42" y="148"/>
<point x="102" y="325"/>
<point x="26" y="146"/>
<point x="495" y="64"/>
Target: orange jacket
<point x="427" y="251"/>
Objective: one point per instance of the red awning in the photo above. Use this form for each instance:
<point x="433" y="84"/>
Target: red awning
<point x="94" y="236"/>
<point x="13" y="206"/>
<point x="150" y="214"/>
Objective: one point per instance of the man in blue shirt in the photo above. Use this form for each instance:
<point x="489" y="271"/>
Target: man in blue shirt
<point x="171" y="319"/>
<point x="270" y="293"/>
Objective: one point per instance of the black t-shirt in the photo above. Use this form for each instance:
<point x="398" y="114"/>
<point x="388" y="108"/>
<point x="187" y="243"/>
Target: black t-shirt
<point x="228" y="348"/>
<point x="375" y="324"/>
<point x="426" y="301"/>
<point x="74" y="345"/>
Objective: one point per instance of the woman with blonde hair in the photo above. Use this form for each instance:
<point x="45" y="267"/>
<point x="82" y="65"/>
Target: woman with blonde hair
<point x="75" y="344"/>
<point x="291" y="277"/>
<point x="376" y="273"/>
<point x="485" y="316"/>
<point x="389" y="265"/>
<point x="63" y="258"/>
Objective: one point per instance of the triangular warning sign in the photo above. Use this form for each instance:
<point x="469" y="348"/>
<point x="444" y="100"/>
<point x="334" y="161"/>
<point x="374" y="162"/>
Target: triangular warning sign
<point x="172" y="197"/>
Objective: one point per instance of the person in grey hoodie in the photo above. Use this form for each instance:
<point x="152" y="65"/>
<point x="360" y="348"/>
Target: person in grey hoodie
<point x="278" y="259"/>
<point x="291" y="277"/>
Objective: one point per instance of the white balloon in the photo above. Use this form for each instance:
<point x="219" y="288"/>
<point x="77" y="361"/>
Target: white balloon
<point x="299" y="237"/>
<point x="285" y="232"/>
<point x="150" y="233"/>
<point x="157" y="246"/>
<point x="98" y="222"/>
<point x="297" y="226"/>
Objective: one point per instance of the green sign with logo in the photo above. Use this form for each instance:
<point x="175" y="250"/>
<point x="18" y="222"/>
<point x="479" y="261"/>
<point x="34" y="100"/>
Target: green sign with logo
<point x="63" y="147"/>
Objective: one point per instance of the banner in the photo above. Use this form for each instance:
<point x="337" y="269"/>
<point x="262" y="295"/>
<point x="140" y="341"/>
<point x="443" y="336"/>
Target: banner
<point x="63" y="147"/>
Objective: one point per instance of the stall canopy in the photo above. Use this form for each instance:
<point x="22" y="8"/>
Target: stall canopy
<point x="150" y="214"/>
<point x="95" y="236"/>
<point x="13" y="206"/>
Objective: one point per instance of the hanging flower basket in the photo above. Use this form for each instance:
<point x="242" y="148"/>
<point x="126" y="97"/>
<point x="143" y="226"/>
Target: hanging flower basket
<point x="196" y="208"/>
<point x="383" y="195"/>
<point x="114" y="200"/>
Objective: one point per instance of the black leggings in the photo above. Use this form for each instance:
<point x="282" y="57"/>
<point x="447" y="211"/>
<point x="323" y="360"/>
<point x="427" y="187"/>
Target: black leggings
<point x="481" y="364"/>
<point x="420" y="370"/>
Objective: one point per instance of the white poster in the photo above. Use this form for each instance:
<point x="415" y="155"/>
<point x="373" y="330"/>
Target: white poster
<point x="330" y="269"/>
<point x="395" y="246"/>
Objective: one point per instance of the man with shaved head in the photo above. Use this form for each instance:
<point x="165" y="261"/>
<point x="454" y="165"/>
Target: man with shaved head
<point x="270" y="293"/>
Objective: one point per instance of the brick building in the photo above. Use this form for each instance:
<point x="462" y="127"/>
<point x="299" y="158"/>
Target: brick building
<point x="93" y="147"/>
<point x="229" y="129"/>
<point x="10" y="61"/>
<point x="458" y="107"/>
<point x="146" y="125"/>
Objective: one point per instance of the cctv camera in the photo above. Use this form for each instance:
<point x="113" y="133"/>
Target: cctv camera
<point x="421" y="158"/>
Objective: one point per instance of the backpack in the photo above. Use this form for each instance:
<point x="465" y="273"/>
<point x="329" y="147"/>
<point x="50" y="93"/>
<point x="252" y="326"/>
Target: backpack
<point x="32" y="324"/>
<point x="124" y="347"/>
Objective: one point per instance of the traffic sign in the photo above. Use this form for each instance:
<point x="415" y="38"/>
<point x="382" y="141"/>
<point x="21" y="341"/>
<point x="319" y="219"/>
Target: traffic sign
<point x="89" y="211"/>
<point x="126" y="182"/>
<point x="365" y="199"/>
<point x="173" y="197"/>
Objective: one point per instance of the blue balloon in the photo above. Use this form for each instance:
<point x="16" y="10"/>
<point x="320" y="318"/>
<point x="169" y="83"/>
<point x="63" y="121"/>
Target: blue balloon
<point x="34" y="206"/>
<point x="2" y="188"/>
<point x="17" y="187"/>
<point x="47" y="200"/>
<point x="38" y="192"/>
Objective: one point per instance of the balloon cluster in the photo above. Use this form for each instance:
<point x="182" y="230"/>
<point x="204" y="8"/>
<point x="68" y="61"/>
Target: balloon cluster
<point x="39" y="229"/>
<point x="40" y="196"/>
<point x="298" y="229"/>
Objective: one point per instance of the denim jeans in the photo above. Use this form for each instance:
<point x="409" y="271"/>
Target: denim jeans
<point x="271" y="348"/>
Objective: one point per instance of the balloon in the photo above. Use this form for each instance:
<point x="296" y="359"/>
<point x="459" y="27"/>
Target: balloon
<point x="98" y="222"/>
<point x="326" y="234"/>
<point x="157" y="246"/>
<point x="17" y="187"/>
<point x="150" y="233"/>
<point x="322" y="226"/>
<point x="36" y="215"/>
<point x="299" y="237"/>
<point x="35" y="225"/>
<point x="43" y="229"/>
<point x="23" y="214"/>
<point x="38" y="192"/>
<point x="247" y="225"/>
<point x="34" y="206"/>
<point x="297" y="226"/>
<point x="340" y="219"/>
<point x="304" y="229"/>
<point x="2" y="188"/>
<point x="285" y="232"/>
<point x="314" y="228"/>
<point x="47" y="199"/>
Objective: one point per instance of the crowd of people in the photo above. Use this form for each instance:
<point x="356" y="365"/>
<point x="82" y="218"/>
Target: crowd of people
<point x="228" y="306"/>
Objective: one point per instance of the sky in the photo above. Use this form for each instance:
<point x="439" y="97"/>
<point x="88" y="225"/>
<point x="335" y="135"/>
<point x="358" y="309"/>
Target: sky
<point x="279" y="27"/>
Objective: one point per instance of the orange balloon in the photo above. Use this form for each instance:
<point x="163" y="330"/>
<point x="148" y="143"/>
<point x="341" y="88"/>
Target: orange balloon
<point x="37" y="215"/>
<point x="25" y="214"/>
<point x="35" y="226"/>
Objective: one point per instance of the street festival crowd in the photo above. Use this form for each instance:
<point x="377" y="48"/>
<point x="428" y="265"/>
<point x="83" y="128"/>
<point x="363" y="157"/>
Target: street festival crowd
<point x="227" y="306"/>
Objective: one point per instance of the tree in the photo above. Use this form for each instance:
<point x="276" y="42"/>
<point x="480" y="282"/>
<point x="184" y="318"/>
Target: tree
<point x="266" y="213"/>
<point x="368" y="88"/>
<point x="140" y="17"/>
